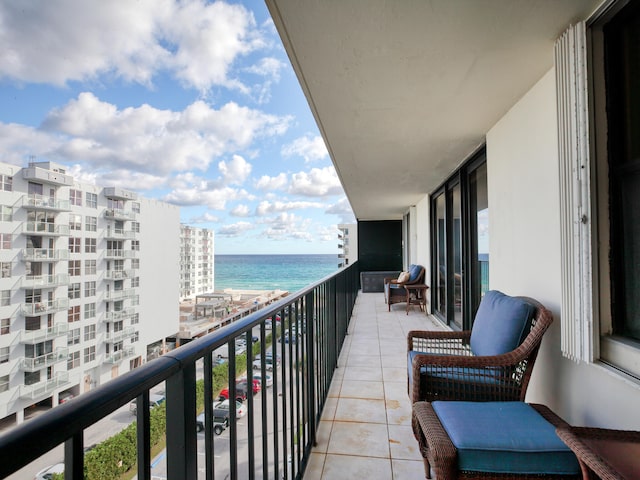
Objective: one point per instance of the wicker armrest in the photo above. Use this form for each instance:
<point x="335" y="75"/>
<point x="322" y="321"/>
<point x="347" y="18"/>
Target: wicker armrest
<point x="435" y="341"/>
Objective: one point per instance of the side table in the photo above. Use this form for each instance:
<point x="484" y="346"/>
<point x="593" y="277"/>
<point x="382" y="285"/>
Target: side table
<point x="604" y="453"/>
<point x="416" y="295"/>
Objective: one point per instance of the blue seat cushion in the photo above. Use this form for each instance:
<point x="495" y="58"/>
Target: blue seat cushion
<point x="504" y="437"/>
<point x="414" y="272"/>
<point x="501" y="324"/>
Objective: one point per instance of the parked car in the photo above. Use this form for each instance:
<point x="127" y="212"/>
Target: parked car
<point x="288" y="338"/>
<point x="268" y="360"/>
<point x="220" y="423"/>
<point x="241" y="392"/>
<point x="64" y="397"/>
<point x="241" y="410"/>
<point x="268" y="380"/>
<point x="50" y="471"/>
<point x="255" y="386"/>
<point x="154" y="401"/>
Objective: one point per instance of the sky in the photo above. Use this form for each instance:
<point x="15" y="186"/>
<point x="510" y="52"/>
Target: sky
<point x="191" y="102"/>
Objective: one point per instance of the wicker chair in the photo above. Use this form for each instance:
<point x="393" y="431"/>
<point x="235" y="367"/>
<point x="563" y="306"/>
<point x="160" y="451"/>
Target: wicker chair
<point x="445" y="365"/>
<point x="394" y="291"/>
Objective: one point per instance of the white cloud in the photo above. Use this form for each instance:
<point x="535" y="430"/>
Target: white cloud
<point x="310" y="148"/>
<point x="267" y="208"/>
<point x="190" y="190"/>
<point x="287" y="226"/>
<point x="204" y="218"/>
<point x="268" y="183"/>
<point x="63" y="41"/>
<point x="235" y="229"/>
<point x="240" y="211"/>
<point x="268" y="67"/>
<point x="236" y="171"/>
<point x="157" y="141"/>
<point x="319" y="182"/>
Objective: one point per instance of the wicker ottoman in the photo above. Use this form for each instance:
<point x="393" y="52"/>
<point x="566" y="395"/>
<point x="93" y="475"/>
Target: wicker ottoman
<point x="491" y="440"/>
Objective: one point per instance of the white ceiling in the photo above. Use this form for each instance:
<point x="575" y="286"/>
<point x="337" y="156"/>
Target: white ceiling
<point x="404" y="91"/>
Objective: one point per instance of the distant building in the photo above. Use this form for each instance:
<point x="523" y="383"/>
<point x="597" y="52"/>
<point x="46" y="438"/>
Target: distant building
<point x="348" y="244"/>
<point x="196" y="261"/>
<point x="89" y="279"/>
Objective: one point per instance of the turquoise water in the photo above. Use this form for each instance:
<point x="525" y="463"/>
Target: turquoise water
<point x="270" y="272"/>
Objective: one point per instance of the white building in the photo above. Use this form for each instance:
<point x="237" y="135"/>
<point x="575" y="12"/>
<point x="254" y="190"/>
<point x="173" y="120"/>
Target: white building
<point x="89" y="278"/>
<point x="348" y="244"/>
<point x="196" y="261"/>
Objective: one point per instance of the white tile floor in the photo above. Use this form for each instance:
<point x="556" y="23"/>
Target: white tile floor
<point x="365" y="430"/>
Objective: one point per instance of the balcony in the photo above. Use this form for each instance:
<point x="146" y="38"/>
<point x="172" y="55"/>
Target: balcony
<point x="44" y="388"/>
<point x="44" y="254"/>
<point x="119" y="253"/>
<point x="119" y="234"/>
<point x="119" y="274"/>
<point x="117" y="193"/>
<point x="41" y="175"/>
<point x="119" y="214"/>
<point x="45" y="229"/>
<point x="119" y="315"/>
<point x="302" y="387"/>
<point x="40" y="202"/>
<point x="126" y="332"/>
<point x="120" y="355"/>
<point x="119" y="294"/>
<point x="41" y="308"/>
<point x="44" y="281"/>
<point x="36" y="336"/>
<point x="46" y="360"/>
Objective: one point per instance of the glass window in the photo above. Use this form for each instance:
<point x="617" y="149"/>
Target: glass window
<point x="6" y="183"/>
<point x="6" y="213"/>
<point x="90" y="245"/>
<point x="73" y="314"/>
<point x="89" y="310"/>
<point x="90" y="289"/>
<point x="75" y="221"/>
<point x="74" y="245"/>
<point x="6" y="240"/>
<point x="74" y="290"/>
<point x="135" y="245"/>
<point x="73" y="337"/>
<point x="5" y="269"/>
<point x="5" y="326"/>
<point x="92" y="200"/>
<point x="75" y="197"/>
<point x="90" y="267"/>
<point x="74" y="268"/>
<point x="89" y="332"/>
<point x="4" y="383"/>
<point x="135" y="226"/>
<point x="135" y="207"/>
<point x="5" y="352"/>
<point x="89" y="354"/>
<point x="73" y="360"/>
<point x="5" y="298"/>
<point x="90" y="224"/>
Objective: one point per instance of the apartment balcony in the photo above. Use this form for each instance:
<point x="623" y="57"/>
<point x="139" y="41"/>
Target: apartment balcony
<point x="120" y="294"/>
<point x="126" y="332"/>
<point x="119" y="214"/>
<point x="40" y="202"/>
<point x="44" y="307"/>
<point x="118" y="316"/>
<point x="44" y="281"/>
<point x="119" y="253"/>
<point x="45" y="229"/>
<point x="50" y="177"/>
<point x="44" y="361"/>
<point x="32" y="337"/>
<point x="117" y="193"/>
<point x="120" y="355"/>
<point x="46" y="387"/>
<point x="44" y="254"/>
<point x="119" y="274"/>
<point x="119" y="234"/>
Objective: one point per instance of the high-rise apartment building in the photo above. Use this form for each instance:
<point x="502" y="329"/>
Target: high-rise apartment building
<point x="89" y="277"/>
<point x="196" y="261"/>
<point x="348" y="244"/>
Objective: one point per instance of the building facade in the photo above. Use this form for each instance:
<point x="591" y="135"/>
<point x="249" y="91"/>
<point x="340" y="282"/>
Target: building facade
<point x="89" y="279"/>
<point x="196" y="261"/>
<point x="347" y="244"/>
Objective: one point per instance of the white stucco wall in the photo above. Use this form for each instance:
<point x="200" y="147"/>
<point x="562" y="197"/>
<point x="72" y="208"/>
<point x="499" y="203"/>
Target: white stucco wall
<point x="524" y="224"/>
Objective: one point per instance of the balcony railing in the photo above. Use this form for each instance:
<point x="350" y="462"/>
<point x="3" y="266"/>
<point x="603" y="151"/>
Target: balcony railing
<point x="44" y="254"/>
<point x="120" y="294"/>
<point x="126" y="332"/>
<point x="45" y="228"/>
<point x="119" y="274"/>
<point x="46" y="360"/>
<point x="44" y="281"/>
<point x="36" y="336"/>
<point x="119" y="214"/>
<point x="120" y="355"/>
<point x="40" y="202"/>
<point x="40" y="308"/>
<point x="283" y="421"/>
<point x="119" y="315"/>
<point x="120" y="234"/>
<point x="44" y="388"/>
<point x="119" y="253"/>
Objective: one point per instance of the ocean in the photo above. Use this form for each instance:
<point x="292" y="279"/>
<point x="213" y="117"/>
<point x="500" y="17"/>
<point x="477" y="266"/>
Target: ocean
<point x="271" y="272"/>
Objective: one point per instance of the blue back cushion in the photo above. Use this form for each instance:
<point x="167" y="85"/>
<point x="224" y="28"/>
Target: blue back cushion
<point x="504" y="437"/>
<point x="414" y="271"/>
<point x="501" y="323"/>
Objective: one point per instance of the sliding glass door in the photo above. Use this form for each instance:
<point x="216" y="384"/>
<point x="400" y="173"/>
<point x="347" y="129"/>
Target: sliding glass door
<point x="460" y="252"/>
